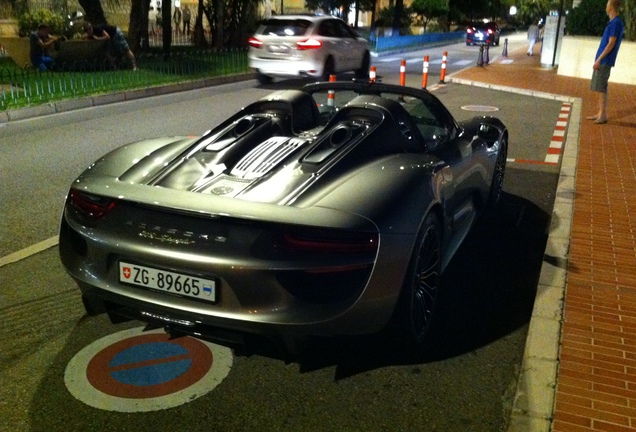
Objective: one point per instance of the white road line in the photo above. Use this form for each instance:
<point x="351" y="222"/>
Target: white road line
<point x="27" y="252"/>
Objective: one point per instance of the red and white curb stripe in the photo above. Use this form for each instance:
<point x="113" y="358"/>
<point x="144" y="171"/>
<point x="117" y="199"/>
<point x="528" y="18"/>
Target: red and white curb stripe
<point x="558" y="139"/>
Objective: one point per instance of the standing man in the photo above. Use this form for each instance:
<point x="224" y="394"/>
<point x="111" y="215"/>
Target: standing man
<point x="533" y="37"/>
<point x="176" y="17"/>
<point x="152" y="20"/>
<point x="606" y="58"/>
<point x="186" y="20"/>
<point x="117" y="44"/>
<point x="39" y="43"/>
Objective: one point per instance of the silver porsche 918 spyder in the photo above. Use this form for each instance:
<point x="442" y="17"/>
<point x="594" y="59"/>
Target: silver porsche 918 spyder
<point x="328" y="211"/>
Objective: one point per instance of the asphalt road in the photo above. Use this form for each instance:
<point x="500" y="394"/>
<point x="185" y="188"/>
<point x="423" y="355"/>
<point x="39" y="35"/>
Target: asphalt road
<point x="463" y="381"/>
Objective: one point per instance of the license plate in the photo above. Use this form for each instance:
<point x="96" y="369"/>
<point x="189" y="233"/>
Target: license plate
<point x="280" y="49"/>
<point x="171" y="282"/>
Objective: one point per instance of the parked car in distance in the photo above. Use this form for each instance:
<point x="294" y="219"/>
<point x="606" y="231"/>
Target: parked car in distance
<point x="483" y="33"/>
<point x="306" y="46"/>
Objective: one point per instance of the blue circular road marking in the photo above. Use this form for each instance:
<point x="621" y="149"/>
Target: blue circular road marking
<point x="150" y="375"/>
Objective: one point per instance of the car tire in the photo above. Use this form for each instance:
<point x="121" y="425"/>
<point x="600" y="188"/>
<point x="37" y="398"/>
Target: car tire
<point x="263" y="79"/>
<point x="363" y="72"/>
<point x="329" y="69"/>
<point x="496" y="186"/>
<point x="422" y="283"/>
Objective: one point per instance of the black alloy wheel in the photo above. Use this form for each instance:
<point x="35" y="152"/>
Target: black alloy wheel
<point x="423" y="282"/>
<point x="263" y="79"/>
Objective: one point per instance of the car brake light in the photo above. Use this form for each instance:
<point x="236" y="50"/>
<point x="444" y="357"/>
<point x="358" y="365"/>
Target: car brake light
<point x="91" y="205"/>
<point x="329" y="241"/>
<point x="489" y="31"/>
<point x="254" y="43"/>
<point x="469" y="30"/>
<point x="308" y="44"/>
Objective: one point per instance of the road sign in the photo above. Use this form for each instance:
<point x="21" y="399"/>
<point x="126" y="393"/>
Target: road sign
<point x="134" y="371"/>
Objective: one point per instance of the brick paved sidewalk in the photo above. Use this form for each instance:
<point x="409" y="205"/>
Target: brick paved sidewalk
<point x="596" y="376"/>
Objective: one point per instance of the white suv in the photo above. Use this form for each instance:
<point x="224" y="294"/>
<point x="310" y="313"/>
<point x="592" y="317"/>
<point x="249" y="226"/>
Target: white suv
<point x="306" y="46"/>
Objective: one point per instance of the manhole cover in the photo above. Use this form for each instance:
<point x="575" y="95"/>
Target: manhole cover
<point x="482" y="108"/>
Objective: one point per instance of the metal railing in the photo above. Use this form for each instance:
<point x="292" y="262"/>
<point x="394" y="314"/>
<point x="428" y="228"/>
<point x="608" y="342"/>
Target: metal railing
<point x="25" y="87"/>
<point x="381" y="44"/>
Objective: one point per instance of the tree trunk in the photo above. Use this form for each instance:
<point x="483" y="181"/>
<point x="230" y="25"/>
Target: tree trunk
<point x="220" y="18"/>
<point x="166" y="24"/>
<point x="94" y="11"/>
<point x="397" y="17"/>
<point x="138" y="25"/>
<point x="629" y="11"/>
<point x="199" y="35"/>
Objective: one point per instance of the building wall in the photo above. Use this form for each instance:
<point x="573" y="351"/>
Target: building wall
<point x="578" y="53"/>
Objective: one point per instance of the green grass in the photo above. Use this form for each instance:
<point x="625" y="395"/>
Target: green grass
<point x="27" y="87"/>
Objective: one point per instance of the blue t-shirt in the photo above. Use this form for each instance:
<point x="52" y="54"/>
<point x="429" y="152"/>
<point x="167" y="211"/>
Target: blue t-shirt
<point x="614" y="28"/>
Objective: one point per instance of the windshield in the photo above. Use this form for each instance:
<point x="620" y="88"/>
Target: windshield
<point x="285" y="27"/>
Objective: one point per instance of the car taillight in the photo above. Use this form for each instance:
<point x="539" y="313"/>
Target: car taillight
<point x="328" y="241"/>
<point x="254" y="43"/>
<point x="469" y="30"/>
<point x="308" y="44"/>
<point x="91" y="205"/>
<point x="489" y="31"/>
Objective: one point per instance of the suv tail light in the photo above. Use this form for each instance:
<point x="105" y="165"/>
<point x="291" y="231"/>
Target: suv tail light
<point x="308" y="44"/>
<point x="254" y="43"/>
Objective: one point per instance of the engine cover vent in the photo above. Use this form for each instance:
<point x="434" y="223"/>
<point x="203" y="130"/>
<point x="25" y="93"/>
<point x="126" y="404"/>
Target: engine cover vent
<point x="260" y="160"/>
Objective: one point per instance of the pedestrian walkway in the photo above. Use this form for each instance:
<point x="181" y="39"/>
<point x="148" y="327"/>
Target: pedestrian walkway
<point x="592" y="383"/>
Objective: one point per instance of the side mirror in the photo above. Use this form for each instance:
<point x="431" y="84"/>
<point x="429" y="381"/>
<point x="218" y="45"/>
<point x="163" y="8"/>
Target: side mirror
<point x="488" y="133"/>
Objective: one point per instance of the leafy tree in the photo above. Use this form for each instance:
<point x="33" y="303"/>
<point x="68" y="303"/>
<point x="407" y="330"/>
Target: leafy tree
<point x="93" y="10"/>
<point x="588" y="18"/>
<point x="629" y="18"/>
<point x="28" y="22"/>
<point x="329" y="6"/>
<point x="336" y="5"/>
<point x="13" y="8"/>
<point x="386" y="16"/>
<point x="429" y="9"/>
<point x="231" y="21"/>
<point x="472" y="10"/>
<point x="530" y="11"/>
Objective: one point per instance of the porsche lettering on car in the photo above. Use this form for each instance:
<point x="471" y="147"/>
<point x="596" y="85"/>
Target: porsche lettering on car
<point x="325" y="211"/>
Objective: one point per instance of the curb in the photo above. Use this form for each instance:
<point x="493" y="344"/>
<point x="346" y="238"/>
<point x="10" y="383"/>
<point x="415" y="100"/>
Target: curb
<point x="109" y="98"/>
<point x="533" y="403"/>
